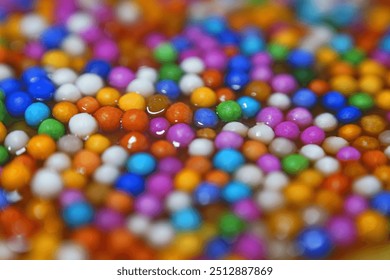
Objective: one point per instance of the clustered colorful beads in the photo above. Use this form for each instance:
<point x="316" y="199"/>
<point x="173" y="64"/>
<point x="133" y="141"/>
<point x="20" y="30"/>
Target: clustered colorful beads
<point x="157" y="130"/>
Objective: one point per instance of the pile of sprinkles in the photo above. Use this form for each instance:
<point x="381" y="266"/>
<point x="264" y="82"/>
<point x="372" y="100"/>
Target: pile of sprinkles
<point x="172" y="129"/>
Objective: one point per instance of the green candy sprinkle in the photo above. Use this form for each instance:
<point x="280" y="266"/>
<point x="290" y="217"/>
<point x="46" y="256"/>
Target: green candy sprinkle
<point x="229" y="111"/>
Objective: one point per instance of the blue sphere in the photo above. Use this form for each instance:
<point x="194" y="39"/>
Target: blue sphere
<point x="130" y="183"/>
<point x="10" y="85"/>
<point x="300" y="59"/>
<point x="304" y="98"/>
<point x="41" y="89"/>
<point x="348" y="114"/>
<point x="36" y="113"/>
<point x="249" y="106"/>
<point x="333" y="101"/>
<point x="168" y="88"/>
<point x="141" y="164"/>
<point x="78" y="214"/>
<point x="217" y="248"/>
<point x="53" y="36"/>
<point x="229" y="37"/>
<point x="228" y="160"/>
<point x="17" y="103"/>
<point x="3" y="199"/>
<point x="381" y="202"/>
<point x="341" y="43"/>
<point x="384" y="44"/>
<point x="205" y="117"/>
<point x="214" y="25"/>
<point x="186" y="219"/>
<point x="206" y="193"/>
<point x="99" y="67"/>
<point x="181" y="43"/>
<point x="235" y="191"/>
<point x="251" y="45"/>
<point x="239" y="63"/>
<point x="236" y="80"/>
<point x="33" y="73"/>
<point x="314" y="243"/>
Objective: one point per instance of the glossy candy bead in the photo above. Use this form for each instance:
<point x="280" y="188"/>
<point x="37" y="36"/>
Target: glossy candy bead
<point x="17" y="103"/>
<point x="130" y="183"/>
<point x="315" y="243"/>
<point x="141" y="164"/>
<point x="249" y="106"/>
<point x="36" y="113"/>
<point x="168" y="88"/>
<point x="229" y="111"/>
<point x="205" y="117"/>
<point x="78" y="214"/>
<point x="228" y="160"/>
<point x="186" y="219"/>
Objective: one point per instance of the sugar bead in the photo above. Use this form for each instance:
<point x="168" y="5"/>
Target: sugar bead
<point x="178" y="200"/>
<point x="32" y="25"/>
<point x="279" y="100"/>
<point x="275" y="181"/>
<point x="71" y="251"/>
<point x="192" y="65"/>
<point x="67" y="92"/>
<point x="326" y="121"/>
<point x="304" y="98"/>
<point x="201" y="147"/>
<point x="180" y="135"/>
<point x="83" y="125"/>
<point x="287" y="129"/>
<point x="284" y="83"/>
<point x="159" y="184"/>
<point x="271" y="116"/>
<point x="327" y="165"/>
<point x="141" y="164"/>
<point x="106" y="174"/>
<point x="74" y="45"/>
<point x="228" y="160"/>
<point x="79" y="22"/>
<point x="367" y="186"/>
<point x="282" y="147"/>
<point x="186" y="219"/>
<point x="17" y="103"/>
<point x="355" y="204"/>
<point x="348" y="153"/>
<point x="371" y="227"/>
<point x="269" y="200"/>
<point x="348" y="114"/>
<point x="315" y="243"/>
<point x="312" y="135"/>
<point x="268" y="163"/>
<point x="301" y="116"/>
<point x="205" y="117"/>
<point x="16" y="141"/>
<point x="230" y="225"/>
<point x="261" y="132"/>
<point x="78" y="214"/>
<point x="58" y="161"/>
<point x="138" y="224"/>
<point x="206" y="194"/>
<point x="89" y="84"/>
<point x="63" y="76"/>
<point x="130" y="183"/>
<point x="46" y="183"/>
<point x="333" y="144"/>
<point x="141" y="86"/>
<point x="312" y="152"/>
<point x="294" y="163"/>
<point x="120" y="77"/>
<point x="69" y="144"/>
<point x="148" y="205"/>
<point x="160" y="234"/>
<point x="190" y="82"/>
<point x="236" y="127"/>
<point x="217" y="248"/>
<point x="249" y="174"/>
<point x="314" y="216"/>
<point x="228" y="139"/>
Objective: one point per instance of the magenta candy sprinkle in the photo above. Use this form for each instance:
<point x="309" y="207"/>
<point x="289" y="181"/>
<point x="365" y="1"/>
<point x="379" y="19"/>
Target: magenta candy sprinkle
<point x="250" y="247"/>
<point x="246" y="209"/>
<point x="228" y="139"/>
<point x="313" y="135"/>
<point x="170" y="165"/>
<point x="269" y="163"/>
<point x="107" y="50"/>
<point x="287" y="130"/>
<point x="69" y="196"/>
<point x="158" y="127"/>
<point x="120" y="77"/>
<point x="148" y="205"/>
<point x="301" y="116"/>
<point x="261" y="73"/>
<point x="180" y="135"/>
<point x="159" y="184"/>
<point x="107" y="219"/>
<point x="342" y="230"/>
<point x="348" y="153"/>
<point x="284" y="83"/>
<point x="261" y="58"/>
<point x="355" y="204"/>
<point x="271" y="116"/>
<point x="215" y="59"/>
